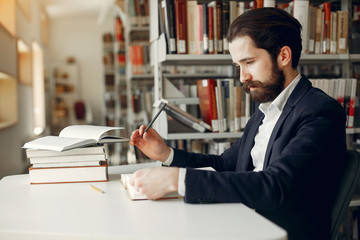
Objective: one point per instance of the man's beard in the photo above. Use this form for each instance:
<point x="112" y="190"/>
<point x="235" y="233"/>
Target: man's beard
<point x="268" y="91"/>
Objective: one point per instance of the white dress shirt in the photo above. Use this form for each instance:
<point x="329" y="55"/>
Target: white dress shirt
<point x="272" y="111"/>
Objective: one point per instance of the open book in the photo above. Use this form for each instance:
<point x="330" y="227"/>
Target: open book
<point x="77" y="136"/>
<point x="136" y="195"/>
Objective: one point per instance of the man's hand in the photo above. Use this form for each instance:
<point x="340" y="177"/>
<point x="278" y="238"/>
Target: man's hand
<point x="155" y="183"/>
<point x="151" y="144"/>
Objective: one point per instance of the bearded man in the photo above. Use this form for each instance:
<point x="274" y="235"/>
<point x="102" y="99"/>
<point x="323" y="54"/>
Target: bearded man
<point x="286" y="165"/>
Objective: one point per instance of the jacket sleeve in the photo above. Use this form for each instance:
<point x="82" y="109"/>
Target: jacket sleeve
<point x="303" y="162"/>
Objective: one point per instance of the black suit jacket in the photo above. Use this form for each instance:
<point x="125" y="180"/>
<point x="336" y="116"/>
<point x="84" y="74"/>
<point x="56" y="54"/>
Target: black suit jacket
<point x="296" y="188"/>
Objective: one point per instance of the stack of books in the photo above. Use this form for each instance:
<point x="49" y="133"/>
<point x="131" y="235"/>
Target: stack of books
<point x="87" y="164"/>
<point x="76" y="155"/>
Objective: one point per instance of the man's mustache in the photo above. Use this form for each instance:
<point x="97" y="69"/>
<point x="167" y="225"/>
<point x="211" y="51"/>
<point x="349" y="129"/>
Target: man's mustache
<point x="251" y="84"/>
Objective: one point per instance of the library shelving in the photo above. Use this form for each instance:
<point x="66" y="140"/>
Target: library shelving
<point x="160" y="59"/>
<point x="65" y="92"/>
<point x="126" y="73"/>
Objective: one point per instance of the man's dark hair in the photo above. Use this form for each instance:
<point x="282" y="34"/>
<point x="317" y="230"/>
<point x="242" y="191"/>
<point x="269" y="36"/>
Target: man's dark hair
<point x="270" y="29"/>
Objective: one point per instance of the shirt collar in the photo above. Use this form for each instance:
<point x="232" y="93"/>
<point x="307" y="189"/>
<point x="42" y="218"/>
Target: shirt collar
<point x="280" y="101"/>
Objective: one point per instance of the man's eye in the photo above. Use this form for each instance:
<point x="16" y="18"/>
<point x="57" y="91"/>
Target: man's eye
<point x="250" y="62"/>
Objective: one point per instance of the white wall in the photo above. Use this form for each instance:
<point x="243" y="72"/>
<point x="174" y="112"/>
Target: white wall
<point x="12" y="158"/>
<point x="81" y="38"/>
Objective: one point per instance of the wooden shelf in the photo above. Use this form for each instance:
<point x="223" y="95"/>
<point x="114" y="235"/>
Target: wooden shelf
<point x="8" y="101"/>
<point x="8" y="16"/>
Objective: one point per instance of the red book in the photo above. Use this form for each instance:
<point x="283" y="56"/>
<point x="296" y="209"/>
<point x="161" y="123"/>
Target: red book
<point x="181" y="26"/>
<point x="326" y="36"/>
<point x="207" y="102"/>
<point x="211" y="29"/>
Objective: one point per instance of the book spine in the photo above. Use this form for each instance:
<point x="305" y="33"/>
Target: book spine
<point x="206" y="28"/>
<point x="312" y="29"/>
<point x="211" y="29"/>
<point x="237" y="108"/>
<point x="213" y="108"/>
<point x="200" y="29"/>
<point x="352" y="103"/>
<point x="225" y="24"/>
<point x="333" y="34"/>
<point x="219" y="36"/>
<point x="342" y="31"/>
<point x="192" y="32"/>
<point x="318" y="31"/>
<point x="207" y="102"/>
<point x="301" y="13"/>
<point x="181" y="26"/>
<point x="327" y="18"/>
<point x="170" y="16"/>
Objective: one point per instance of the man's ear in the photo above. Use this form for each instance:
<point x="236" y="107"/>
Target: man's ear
<point x="285" y="57"/>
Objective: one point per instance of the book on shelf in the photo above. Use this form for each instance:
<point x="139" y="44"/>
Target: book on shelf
<point x="210" y="21"/>
<point x="69" y="174"/>
<point x="207" y="102"/>
<point x="221" y="105"/>
<point x="301" y="13"/>
<point x="170" y="31"/>
<point x="312" y="29"/>
<point x="344" y="91"/>
<point x="342" y="31"/>
<point x="333" y="33"/>
<point x="205" y="23"/>
<point x="217" y="148"/>
<point x="327" y="29"/>
<point x="136" y="195"/>
<point x="239" y="107"/>
<point x="192" y="28"/>
<point x="351" y="94"/>
<point x="225" y="21"/>
<point x="181" y="26"/>
<point x="210" y="13"/>
<point x="229" y="90"/>
<point x="183" y="116"/>
<point x="199" y="29"/>
<point x="75" y="136"/>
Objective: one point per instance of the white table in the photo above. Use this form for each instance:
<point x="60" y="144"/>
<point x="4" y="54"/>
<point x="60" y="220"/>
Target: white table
<point x="73" y="211"/>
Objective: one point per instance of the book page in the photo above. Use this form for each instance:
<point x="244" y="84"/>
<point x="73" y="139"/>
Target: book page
<point x="56" y="143"/>
<point x="136" y="195"/>
<point x="86" y="131"/>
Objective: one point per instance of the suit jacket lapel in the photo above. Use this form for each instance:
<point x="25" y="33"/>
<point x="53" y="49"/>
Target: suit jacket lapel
<point x="249" y="140"/>
<point x="302" y="87"/>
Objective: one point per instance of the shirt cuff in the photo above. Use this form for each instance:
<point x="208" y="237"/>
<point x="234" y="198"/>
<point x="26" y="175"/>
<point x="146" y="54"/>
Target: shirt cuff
<point x="181" y="181"/>
<point x="170" y="158"/>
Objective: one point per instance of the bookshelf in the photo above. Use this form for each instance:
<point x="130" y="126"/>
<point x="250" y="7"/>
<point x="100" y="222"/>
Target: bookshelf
<point x="8" y="16"/>
<point x="8" y="68"/>
<point x="160" y="58"/>
<point x="8" y="101"/>
<point x="127" y="74"/>
<point x="64" y="94"/>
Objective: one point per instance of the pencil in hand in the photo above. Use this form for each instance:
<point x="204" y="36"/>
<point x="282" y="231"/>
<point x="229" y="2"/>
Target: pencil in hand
<point x="153" y="120"/>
